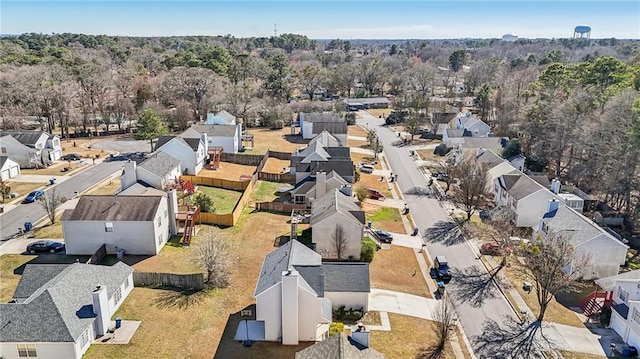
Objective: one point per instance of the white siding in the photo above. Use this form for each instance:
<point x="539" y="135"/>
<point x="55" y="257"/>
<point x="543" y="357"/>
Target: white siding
<point x="10" y="169"/>
<point x="322" y="235"/>
<point x="85" y="237"/>
<point x="618" y="324"/>
<point x="348" y="299"/>
<point x="268" y="309"/>
<point x="43" y="350"/>
<point x="606" y="256"/>
<point x="191" y="161"/>
<point x="531" y="208"/>
<point x="154" y="180"/>
<point x="309" y="314"/>
<point x="307" y="130"/>
<point x="124" y="290"/>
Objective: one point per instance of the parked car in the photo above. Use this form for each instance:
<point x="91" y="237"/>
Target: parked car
<point x="384" y="237"/>
<point x="440" y="176"/>
<point x="366" y="168"/>
<point x="441" y="267"/>
<point x="493" y="249"/>
<point x="45" y="246"/>
<point x="375" y="194"/>
<point x="71" y="157"/>
<point x="33" y="196"/>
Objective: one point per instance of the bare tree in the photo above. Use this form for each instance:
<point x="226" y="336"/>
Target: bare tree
<point x="554" y="266"/>
<point x="502" y="230"/>
<point x="213" y="253"/>
<point x="50" y="202"/>
<point x="412" y="124"/>
<point x="471" y="186"/>
<point x="339" y="240"/>
<point x="444" y="317"/>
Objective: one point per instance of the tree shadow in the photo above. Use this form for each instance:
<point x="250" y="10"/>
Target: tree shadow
<point x="434" y="351"/>
<point x="473" y="285"/>
<point x="420" y="191"/>
<point x="513" y="339"/>
<point x="445" y="232"/>
<point x="180" y="298"/>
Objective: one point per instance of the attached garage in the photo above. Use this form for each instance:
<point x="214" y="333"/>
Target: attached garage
<point x="618" y="323"/>
<point x="633" y="339"/>
<point x="8" y="168"/>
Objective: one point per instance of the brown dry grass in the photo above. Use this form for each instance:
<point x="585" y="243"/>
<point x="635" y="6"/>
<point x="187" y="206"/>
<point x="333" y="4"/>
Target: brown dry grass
<point x="463" y="346"/>
<point x="371" y="181"/>
<point x="356" y="143"/>
<point x="180" y="326"/>
<point x="359" y="158"/>
<point x="408" y="338"/>
<point x="573" y="355"/>
<point x="82" y="147"/>
<point x="109" y="187"/>
<point x="53" y="170"/>
<point x="277" y="140"/>
<point x="380" y="111"/>
<point x="356" y="130"/>
<point x="385" y="218"/>
<point x="275" y="165"/>
<point x="393" y="269"/>
<point x="556" y="312"/>
<point x="8" y="278"/>
<point x="227" y="170"/>
<point x="371" y="318"/>
<point x="23" y="188"/>
<point x="428" y="155"/>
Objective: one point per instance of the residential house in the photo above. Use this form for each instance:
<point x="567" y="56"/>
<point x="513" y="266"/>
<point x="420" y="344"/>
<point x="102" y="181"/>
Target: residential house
<point x="473" y="125"/>
<point x="355" y="104"/>
<point x="221" y="118"/>
<point x="495" y="165"/>
<point x="523" y="196"/>
<point x="312" y="124"/>
<point x="306" y="191"/>
<point x="330" y="212"/>
<point x="326" y="140"/>
<point x="316" y="158"/>
<point x="296" y="293"/>
<point x="48" y="145"/>
<point x="229" y="137"/>
<point x="139" y="225"/>
<point x="59" y="310"/>
<point x="190" y="151"/>
<point x="159" y="170"/>
<point x="570" y="199"/>
<point x="340" y="346"/>
<point x="518" y="161"/>
<point x="8" y="168"/>
<point x="24" y="156"/>
<point x="623" y="291"/>
<point x="605" y="252"/>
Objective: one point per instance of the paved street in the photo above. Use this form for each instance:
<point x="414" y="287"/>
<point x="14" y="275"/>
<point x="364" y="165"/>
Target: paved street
<point x="11" y="221"/>
<point x="477" y="299"/>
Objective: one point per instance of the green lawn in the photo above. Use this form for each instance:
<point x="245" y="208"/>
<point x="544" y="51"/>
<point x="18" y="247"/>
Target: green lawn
<point x="224" y="200"/>
<point x="385" y="214"/>
<point x="173" y="257"/>
<point x="266" y="191"/>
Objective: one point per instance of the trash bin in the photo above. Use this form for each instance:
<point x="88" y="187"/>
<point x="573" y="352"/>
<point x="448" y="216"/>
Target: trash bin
<point x="118" y="322"/>
<point x="28" y="226"/>
<point x="52" y="181"/>
<point x="120" y="254"/>
<point x="369" y="224"/>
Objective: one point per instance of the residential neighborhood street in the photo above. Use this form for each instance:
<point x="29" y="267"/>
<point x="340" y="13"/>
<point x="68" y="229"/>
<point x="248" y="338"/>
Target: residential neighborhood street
<point x="478" y="301"/>
<point x="12" y="221"/>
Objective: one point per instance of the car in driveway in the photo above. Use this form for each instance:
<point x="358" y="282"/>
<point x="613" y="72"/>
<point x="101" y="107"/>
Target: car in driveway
<point x="33" y="196"/>
<point x="364" y="168"/>
<point x="45" y="246"/>
<point x="441" y="267"/>
<point x="71" y="157"/>
<point x="384" y="237"/>
<point x="494" y="249"/>
<point x="375" y="194"/>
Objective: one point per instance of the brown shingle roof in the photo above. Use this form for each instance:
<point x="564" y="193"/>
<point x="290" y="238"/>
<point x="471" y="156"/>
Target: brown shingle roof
<point x="114" y="208"/>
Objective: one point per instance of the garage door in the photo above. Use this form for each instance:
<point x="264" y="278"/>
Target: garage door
<point x="617" y="324"/>
<point x="633" y="339"/>
<point x="5" y="175"/>
<point x="14" y="171"/>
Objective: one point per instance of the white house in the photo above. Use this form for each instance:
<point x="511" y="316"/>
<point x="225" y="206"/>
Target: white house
<point x="58" y="310"/>
<point x="328" y="213"/>
<point x="296" y="292"/>
<point x="473" y="125"/>
<point x="312" y="124"/>
<point x="191" y="152"/>
<point x="42" y="141"/>
<point x="221" y="118"/>
<point x="229" y="137"/>
<point x="625" y="313"/>
<point x="159" y="170"/>
<point x="306" y="191"/>
<point x="137" y="224"/>
<point x="605" y="252"/>
<point x="8" y="168"/>
<point x="523" y="196"/>
<point x="25" y="156"/>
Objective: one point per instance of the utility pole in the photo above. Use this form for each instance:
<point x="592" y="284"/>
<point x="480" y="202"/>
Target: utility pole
<point x="275" y="30"/>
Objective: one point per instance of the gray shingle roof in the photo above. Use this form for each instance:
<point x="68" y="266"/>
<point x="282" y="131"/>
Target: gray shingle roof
<point x="325" y="139"/>
<point x="114" y="208"/>
<point x="339" y="128"/>
<point x="35" y="276"/>
<point x="313" y="276"/>
<point x="62" y="309"/>
<point x="576" y="227"/>
<point x="216" y="130"/>
<point x="542" y="180"/>
<point x="346" y="277"/>
<point x="510" y="179"/>
<point x="490" y="158"/>
<point x="339" y="152"/>
<point x="335" y="202"/>
<point x="609" y="283"/>
<point x="524" y="187"/>
<point x="322" y="117"/>
<point x="226" y="116"/>
<point x="304" y="187"/>
<point x="339" y="346"/>
<point x="288" y="255"/>
<point x="342" y="167"/>
<point x="454" y="132"/>
<point x="495" y="143"/>
<point x="194" y="143"/>
<point x="28" y="138"/>
<point x="162" y="140"/>
<point x="160" y="163"/>
<point x="3" y="160"/>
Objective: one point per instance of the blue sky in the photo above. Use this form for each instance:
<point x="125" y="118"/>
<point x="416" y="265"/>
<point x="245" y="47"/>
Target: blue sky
<point x="325" y="19"/>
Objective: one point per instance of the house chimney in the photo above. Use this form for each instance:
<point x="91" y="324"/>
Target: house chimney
<point x="553" y="205"/>
<point x="172" y="208"/>
<point x="205" y="142"/>
<point x="555" y="186"/>
<point x="101" y="309"/>
<point x="289" y="287"/>
<point x="321" y="184"/>
<point x="128" y="177"/>
<point x="361" y="335"/>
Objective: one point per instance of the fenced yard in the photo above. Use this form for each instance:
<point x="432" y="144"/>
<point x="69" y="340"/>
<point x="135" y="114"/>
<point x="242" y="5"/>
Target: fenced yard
<point x="153" y="279"/>
<point x="224" y="200"/>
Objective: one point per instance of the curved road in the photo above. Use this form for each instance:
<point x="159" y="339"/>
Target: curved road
<point x="13" y="220"/>
<point x="476" y="297"/>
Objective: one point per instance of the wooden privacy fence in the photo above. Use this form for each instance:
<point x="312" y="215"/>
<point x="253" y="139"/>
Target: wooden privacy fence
<point x="216" y="182"/>
<point x="279" y="155"/>
<point x="228" y="219"/>
<point x="149" y="279"/>
<point x="277" y="177"/>
<point x="248" y="160"/>
<point x="279" y="207"/>
<point x="99" y="255"/>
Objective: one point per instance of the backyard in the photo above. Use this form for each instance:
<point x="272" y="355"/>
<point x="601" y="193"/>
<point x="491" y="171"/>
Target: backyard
<point x="277" y="140"/>
<point x="275" y="165"/>
<point x="266" y="192"/>
<point x="228" y="171"/>
<point x="385" y="218"/>
<point x="224" y="200"/>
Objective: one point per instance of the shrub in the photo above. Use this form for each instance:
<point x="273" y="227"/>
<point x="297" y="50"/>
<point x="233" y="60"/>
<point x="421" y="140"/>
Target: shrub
<point x="361" y="193"/>
<point x="204" y="202"/>
<point x="368" y="250"/>
<point x="441" y="150"/>
<point x="350" y="117"/>
<point x="335" y="328"/>
<point x="348" y="315"/>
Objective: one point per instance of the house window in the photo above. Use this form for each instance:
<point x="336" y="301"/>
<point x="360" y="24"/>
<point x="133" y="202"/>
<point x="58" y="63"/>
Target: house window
<point x="159" y="221"/>
<point x="623" y="295"/>
<point x="27" y="351"/>
<point x="108" y="226"/>
<point x="160" y="239"/>
<point x="117" y="296"/>
<point x="3" y="150"/>
<point x="636" y="316"/>
<point x="545" y="227"/>
<point x="127" y="283"/>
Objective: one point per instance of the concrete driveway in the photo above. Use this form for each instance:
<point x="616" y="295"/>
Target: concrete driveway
<point x="19" y="245"/>
<point x="402" y="303"/>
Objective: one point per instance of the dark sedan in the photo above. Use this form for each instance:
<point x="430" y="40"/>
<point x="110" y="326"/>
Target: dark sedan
<point x="384" y="237"/>
<point x="45" y="246"/>
<point x="72" y="157"/>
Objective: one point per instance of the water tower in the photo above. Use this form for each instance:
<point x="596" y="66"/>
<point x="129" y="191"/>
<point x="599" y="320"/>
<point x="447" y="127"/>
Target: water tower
<point x="581" y="32"/>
